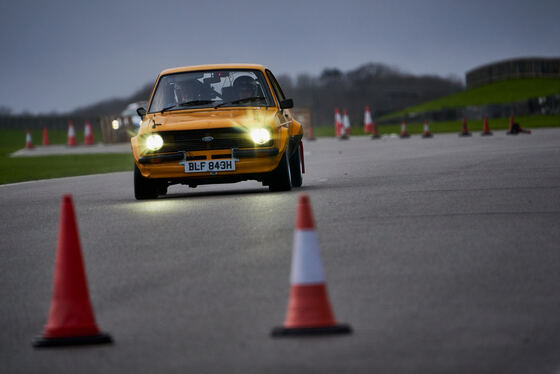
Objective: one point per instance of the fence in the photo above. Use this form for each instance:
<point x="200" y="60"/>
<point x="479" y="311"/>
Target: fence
<point x="537" y="105"/>
<point x="512" y="69"/>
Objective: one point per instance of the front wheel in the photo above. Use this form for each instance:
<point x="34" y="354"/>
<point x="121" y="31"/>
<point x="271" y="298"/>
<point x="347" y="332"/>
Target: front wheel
<point x="281" y="179"/>
<point x="295" y="168"/>
<point x="144" y="188"/>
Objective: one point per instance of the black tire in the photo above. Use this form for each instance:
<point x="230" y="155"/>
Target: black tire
<point x="281" y="179"/>
<point x="144" y="188"/>
<point x="295" y="168"/>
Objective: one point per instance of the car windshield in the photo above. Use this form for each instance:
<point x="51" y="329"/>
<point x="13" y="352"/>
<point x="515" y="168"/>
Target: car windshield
<point x="211" y="89"/>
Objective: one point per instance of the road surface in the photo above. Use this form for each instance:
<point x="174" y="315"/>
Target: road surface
<point x="443" y="255"/>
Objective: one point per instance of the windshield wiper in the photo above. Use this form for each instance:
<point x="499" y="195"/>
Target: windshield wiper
<point x="167" y="108"/>
<point x="196" y="102"/>
<point x="251" y="98"/>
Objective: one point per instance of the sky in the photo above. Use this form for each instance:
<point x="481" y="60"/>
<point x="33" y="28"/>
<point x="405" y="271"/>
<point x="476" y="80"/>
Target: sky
<point x="60" y="55"/>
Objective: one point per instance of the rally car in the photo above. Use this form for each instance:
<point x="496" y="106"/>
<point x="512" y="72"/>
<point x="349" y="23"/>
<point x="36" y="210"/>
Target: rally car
<point x="216" y="124"/>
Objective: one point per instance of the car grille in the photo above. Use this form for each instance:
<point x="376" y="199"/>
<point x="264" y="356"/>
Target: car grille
<point x="191" y="140"/>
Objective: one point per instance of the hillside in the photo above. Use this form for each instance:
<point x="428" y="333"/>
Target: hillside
<point x="493" y="93"/>
<point x="384" y="88"/>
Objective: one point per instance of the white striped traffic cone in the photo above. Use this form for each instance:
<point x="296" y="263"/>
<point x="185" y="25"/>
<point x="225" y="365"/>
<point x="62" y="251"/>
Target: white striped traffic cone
<point x="368" y="123"/>
<point x="345" y="129"/>
<point x="337" y="122"/>
<point x="404" y="133"/>
<point x="71" y="135"/>
<point x="309" y="310"/>
<point x="427" y="133"/>
<point x="28" y="141"/>
<point x="88" y="134"/>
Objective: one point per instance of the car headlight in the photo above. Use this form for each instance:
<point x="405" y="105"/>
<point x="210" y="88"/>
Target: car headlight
<point x="260" y="136"/>
<point x="115" y="124"/>
<point x="154" y="142"/>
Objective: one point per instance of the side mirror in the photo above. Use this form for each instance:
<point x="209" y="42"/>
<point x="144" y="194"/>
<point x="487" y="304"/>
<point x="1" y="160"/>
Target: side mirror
<point x="141" y="112"/>
<point x="287" y="104"/>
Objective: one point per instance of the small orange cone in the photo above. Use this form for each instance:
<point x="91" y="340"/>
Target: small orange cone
<point x="368" y="124"/>
<point x="486" y="129"/>
<point x="510" y="130"/>
<point x="375" y="131"/>
<point x="88" y="134"/>
<point x="337" y="123"/>
<point x="71" y="320"/>
<point x="309" y="310"/>
<point x="45" y="136"/>
<point x="404" y="133"/>
<point x="71" y="135"/>
<point x="464" y="129"/>
<point x="427" y="133"/>
<point x="515" y="128"/>
<point x="28" y="141"/>
<point x="310" y="133"/>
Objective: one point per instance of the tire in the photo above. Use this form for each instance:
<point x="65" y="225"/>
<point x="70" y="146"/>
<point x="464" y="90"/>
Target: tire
<point x="281" y="179"/>
<point x="144" y="188"/>
<point x="295" y="168"/>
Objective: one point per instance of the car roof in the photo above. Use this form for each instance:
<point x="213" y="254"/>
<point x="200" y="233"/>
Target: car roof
<point x="213" y="67"/>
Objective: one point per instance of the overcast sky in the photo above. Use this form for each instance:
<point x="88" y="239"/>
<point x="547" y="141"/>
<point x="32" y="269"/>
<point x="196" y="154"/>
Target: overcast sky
<point x="59" y="55"/>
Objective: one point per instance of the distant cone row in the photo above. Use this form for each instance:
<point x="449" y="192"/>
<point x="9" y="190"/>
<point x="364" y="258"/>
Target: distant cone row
<point x="342" y="126"/>
<point x="71" y="142"/>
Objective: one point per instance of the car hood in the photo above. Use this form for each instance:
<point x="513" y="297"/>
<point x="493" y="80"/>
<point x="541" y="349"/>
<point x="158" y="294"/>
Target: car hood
<point x="212" y="118"/>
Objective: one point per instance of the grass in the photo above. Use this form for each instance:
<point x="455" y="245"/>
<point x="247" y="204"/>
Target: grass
<point x="529" y="122"/>
<point x="19" y="169"/>
<point x="493" y="93"/>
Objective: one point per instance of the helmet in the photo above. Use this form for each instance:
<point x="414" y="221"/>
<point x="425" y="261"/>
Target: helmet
<point x="245" y="84"/>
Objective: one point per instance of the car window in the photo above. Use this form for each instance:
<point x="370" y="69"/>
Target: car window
<point x="211" y="88"/>
<point x="275" y="86"/>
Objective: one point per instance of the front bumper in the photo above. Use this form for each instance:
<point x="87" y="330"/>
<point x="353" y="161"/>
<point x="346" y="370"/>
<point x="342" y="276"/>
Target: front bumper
<point x="249" y="164"/>
<point x="182" y="156"/>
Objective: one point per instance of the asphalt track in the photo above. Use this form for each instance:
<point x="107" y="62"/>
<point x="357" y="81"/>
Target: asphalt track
<point x="443" y="254"/>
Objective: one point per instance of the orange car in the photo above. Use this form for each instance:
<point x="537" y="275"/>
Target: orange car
<point x="216" y="124"/>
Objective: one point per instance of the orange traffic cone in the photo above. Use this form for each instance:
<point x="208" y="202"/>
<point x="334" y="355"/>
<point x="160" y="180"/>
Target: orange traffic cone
<point x="71" y="135"/>
<point x="28" y="141"/>
<point x="515" y="128"/>
<point x="45" y="136"/>
<point x="337" y="123"/>
<point x="404" y="133"/>
<point x="88" y="134"/>
<point x="368" y="125"/>
<point x="486" y="129"/>
<point x="309" y="310"/>
<point x="510" y="130"/>
<point x="464" y="129"/>
<point x="71" y="320"/>
<point x="375" y="131"/>
<point x="427" y="133"/>
<point x="310" y="132"/>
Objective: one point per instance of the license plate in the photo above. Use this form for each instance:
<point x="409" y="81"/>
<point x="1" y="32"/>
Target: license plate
<point x="209" y="166"/>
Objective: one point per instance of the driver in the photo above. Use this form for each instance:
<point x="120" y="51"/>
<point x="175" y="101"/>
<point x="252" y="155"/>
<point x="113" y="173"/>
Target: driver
<point x="185" y="91"/>
<point x="245" y="87"/>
